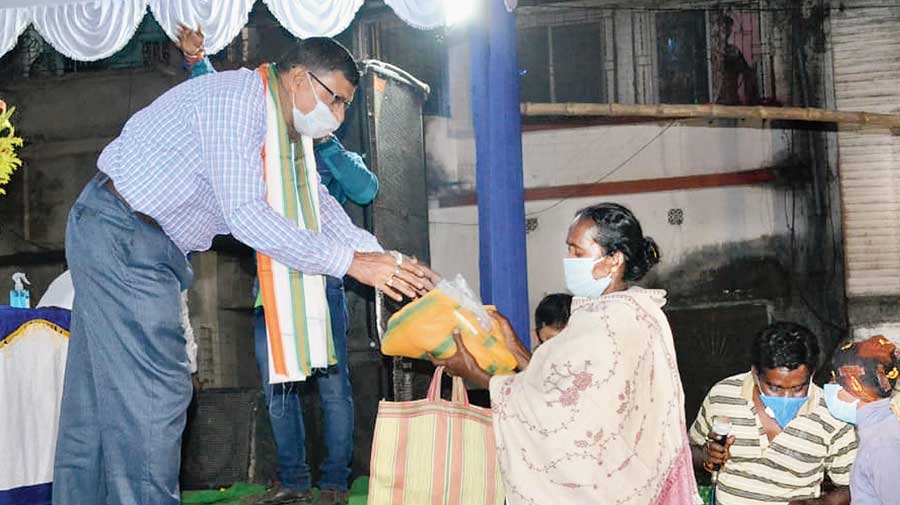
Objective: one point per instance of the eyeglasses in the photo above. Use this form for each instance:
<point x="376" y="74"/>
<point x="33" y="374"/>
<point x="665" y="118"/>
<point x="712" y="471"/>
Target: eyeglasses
<point x="336" y="99"/>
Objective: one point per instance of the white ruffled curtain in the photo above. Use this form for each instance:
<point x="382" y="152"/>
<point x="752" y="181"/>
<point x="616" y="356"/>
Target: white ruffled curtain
<point x="324" y="18"/>
<point x="220" y="25"/>
<point x="90" y="30"/>
<point x="12" y="23"/>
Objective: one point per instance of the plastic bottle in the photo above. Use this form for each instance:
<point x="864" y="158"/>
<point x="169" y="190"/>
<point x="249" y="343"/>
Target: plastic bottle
<point x="20" y="297"/>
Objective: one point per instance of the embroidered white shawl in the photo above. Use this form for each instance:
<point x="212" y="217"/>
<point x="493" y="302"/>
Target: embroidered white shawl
<point x="598" y="415"/>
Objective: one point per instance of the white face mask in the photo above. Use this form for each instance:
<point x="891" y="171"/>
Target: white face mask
<point x="319" y="122"/>
<point x="580" y="279"/>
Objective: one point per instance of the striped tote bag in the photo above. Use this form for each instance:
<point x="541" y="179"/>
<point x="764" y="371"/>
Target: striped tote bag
<point x="434" y="452"/>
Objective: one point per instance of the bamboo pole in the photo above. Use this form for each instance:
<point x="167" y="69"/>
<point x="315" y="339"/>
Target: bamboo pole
<point x="711" y="111"/>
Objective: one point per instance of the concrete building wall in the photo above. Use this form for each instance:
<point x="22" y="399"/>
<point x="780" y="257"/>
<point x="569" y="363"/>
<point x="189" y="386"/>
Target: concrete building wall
<point x="66" y="121"/>
<point x="734" y="243"/>
<point x="714" y="218"/>
<point x="774" y="245"/>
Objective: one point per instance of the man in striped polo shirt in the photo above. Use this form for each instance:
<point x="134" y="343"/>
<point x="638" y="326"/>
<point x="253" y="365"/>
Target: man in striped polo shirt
<point x="783" y="440"/>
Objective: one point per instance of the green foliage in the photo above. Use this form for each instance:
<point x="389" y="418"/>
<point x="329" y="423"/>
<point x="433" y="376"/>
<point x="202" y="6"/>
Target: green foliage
<point x="9" y="161"/>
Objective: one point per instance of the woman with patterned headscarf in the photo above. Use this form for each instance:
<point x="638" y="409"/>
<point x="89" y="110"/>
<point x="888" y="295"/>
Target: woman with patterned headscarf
<point x="862" y="392"/>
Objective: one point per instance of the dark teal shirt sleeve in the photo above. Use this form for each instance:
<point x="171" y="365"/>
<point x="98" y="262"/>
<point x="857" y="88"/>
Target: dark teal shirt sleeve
<point x="348" y="171"/>
<point x="202" y="67"/>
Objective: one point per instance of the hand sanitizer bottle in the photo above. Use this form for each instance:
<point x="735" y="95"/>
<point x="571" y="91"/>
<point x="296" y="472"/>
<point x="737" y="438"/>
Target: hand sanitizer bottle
<point x="20" y="297"/>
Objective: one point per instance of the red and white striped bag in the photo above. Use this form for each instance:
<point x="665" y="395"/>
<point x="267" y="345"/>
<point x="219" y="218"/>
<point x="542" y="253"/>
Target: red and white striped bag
<point x="434" y="451"/>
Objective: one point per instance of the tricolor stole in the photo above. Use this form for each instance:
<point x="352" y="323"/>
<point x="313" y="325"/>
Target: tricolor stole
<point x="298" y="324"/>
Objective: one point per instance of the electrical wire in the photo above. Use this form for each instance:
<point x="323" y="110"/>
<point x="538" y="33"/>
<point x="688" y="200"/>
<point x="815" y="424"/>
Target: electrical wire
<point x="611" y="172"/>
<point x="602" y="178"/>
<point x="795" y="281"/>
<point x="825" y="191"/>
<point x="452" y="223"/>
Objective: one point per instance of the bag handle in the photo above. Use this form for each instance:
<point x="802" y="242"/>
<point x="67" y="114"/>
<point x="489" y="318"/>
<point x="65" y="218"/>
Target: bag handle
<point x="458" y="395"/>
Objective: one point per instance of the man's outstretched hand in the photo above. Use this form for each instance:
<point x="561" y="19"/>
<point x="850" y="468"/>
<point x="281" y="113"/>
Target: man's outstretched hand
<point x="396" y="275"/>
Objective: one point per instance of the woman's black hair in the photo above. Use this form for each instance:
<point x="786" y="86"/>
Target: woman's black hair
<point x="617" y="230"/>
<point x="784" y="345"/>
<point x="553" y="311"/>
<point x="322" y="55"/>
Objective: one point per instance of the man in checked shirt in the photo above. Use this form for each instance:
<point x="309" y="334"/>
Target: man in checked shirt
<point x="184" y="169"/>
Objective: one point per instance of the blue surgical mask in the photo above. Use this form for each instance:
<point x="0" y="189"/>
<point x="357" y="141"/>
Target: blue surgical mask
<point x="580" y="279"/>
<point x="840" y="409"/>
<point x="783" y="408"/>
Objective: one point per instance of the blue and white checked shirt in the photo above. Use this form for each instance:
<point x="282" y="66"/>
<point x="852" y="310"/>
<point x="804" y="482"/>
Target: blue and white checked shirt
<point x="191" y="161"/>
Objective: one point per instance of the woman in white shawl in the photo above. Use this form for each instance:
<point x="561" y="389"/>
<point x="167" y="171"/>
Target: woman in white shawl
<point x="596" y="415"/>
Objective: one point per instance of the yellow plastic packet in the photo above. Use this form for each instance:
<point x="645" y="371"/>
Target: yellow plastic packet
<point x="426" y="326"/>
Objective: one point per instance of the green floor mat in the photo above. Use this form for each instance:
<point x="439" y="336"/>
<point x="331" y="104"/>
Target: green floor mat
<point x="359" y="491"/>
<point x="224" y="496"/>
<point x="235" y="494"/>
<point x="704" y="493"/>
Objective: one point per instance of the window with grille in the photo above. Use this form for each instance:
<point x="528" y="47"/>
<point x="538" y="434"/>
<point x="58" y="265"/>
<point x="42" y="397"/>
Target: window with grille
<point x="562" y="63"/>
<point x="709" y="57"/>
<point x="681" y="54"/>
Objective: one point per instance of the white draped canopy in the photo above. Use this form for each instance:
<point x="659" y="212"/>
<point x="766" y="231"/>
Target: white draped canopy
<point x="90" y="30"/>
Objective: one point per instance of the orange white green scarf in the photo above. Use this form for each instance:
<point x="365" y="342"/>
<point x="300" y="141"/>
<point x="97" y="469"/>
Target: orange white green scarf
<point x="298" y="324"/>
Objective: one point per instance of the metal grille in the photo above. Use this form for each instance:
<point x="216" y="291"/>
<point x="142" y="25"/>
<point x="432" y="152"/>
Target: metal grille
<point x="714" y="350"/>
<point x="386" y="127"/>
<point x="562" y="56"/>
<point x="400" y="213"/>
<point x="682" y="49"/>
<point x="865" y="48"/>
<point x="222" y="439"/>
<point x="733" y="55"/>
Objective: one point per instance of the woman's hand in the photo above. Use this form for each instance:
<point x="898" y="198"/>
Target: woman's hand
<point x="463" y="364"/>
<point x="515" y="346"/>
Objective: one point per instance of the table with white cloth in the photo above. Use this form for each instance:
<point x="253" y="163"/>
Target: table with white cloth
<point x="33" y="346"/>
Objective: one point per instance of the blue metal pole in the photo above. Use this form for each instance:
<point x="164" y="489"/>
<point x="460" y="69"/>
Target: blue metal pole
<point x="498" y="147"/>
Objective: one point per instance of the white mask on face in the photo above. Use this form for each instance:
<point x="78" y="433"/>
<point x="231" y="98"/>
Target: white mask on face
<point x="580" y="279"/>
<point x="319" y="122"/>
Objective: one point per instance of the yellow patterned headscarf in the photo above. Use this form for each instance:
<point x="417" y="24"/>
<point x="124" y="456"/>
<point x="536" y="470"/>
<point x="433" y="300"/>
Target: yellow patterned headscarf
<point x="869" y="369"/>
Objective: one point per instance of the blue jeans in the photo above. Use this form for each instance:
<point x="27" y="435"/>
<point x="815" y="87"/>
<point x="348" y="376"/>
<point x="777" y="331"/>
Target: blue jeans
<point x="335" y="395"/>
<point x="127" y="383"/>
